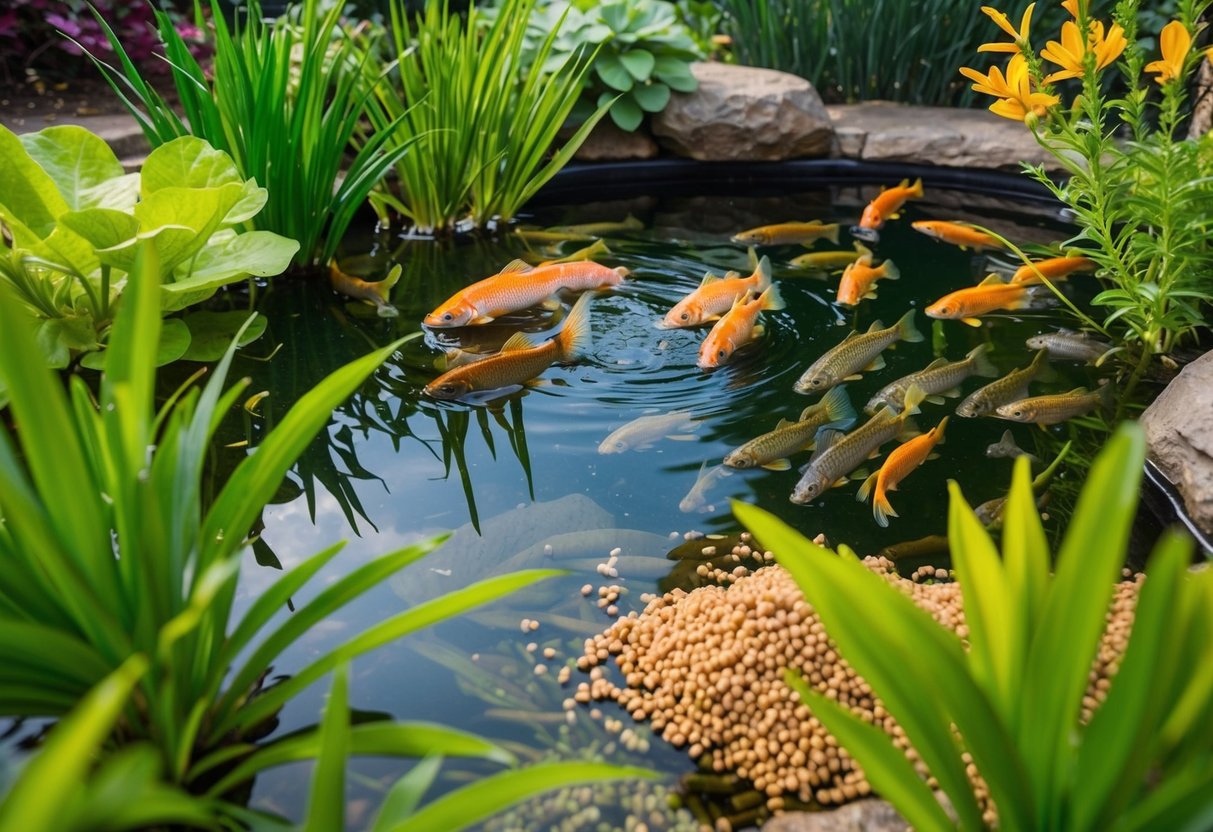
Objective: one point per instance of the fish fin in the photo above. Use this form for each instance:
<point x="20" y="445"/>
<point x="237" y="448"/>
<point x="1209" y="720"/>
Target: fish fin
<point x="882" y="510"/>
<point x="896" y="215"/>
<point x="982" y="366"/>
<point x="861" y="473"/>
<point x="914" y="397"/>
<point x="784" y="422"/>
<point x="971" y="321"/>
<point x="866" y="488"/>
<point x="868" y="296"/>
<point x="681" y="437"/>
<point x="825" y="439"/>
<point x="551" y="304"/>
<point x="832" y="236"/>
<point x="631" y="224"/>
<point x="934" y="399"/>
<point x="758" y="330"/>
<point x="1105" y="391"/>
<point x="516" y="266"/>
<point x="838" y="408"/>
<point x="876" y="324"/>
<point x="709" y="279"/>
<point x="917" y="194"/>
<point x="891" y="272"/>
<point x="877" y="363"/>
<point x="384" y="287"/>
<point x="909" y="429"/>
<point x="519" y="341"/>
<point x="481" y="319"/>
<point x="763" y="270"/>
<point x="992" y="279"/>
<point x="939" y="429"/>
<point x="933" y="456"/>
<point x="575" y="338"/>
<point x="864" y="252"/>
<point x="1043" y="370"/>
<point x="598" y="247"/>
<point x="853" y="377"/>
<point x="906" y="330"/>
<point x="752" y="256"/>
<point x="778" y="465"/>
<point x="770" y="298"/>
<point x="938" y="362"/>
<point x="954" y="393"/>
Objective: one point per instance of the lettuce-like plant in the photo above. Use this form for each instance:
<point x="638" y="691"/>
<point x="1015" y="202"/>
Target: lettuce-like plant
<point x="73" y="221"/>
<point x="1011" y="703"/>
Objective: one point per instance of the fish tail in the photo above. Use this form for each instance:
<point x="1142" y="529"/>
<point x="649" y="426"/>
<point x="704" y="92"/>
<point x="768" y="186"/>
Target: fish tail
<point x="763" y="268"/>
<point x="982" y="366"/>
<point x="574" y="339"/>
<point x="838" y="408"/>
<point x="598" y="248"/>
<point x="939" y="429"/>
<point x="771" y="299"/>
<point x="882" y="509"/>
<point x="866" y="488"/>
<point x="906" y="330"/>
<point x="752" y="256"/>
<point x="384" y="287"/>
<point x="1106" y="394"/>
<point x="913" y="398"/>
<point x="916" y="192"/>
<point x="833" y="235"/>
<point x="891" y="272"/>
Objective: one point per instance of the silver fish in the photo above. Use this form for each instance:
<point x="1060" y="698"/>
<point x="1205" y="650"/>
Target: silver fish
<point x="697" y="498"/>
<point x="857" y="352"/>
<point x="772" y="448"/>
<point x="1049" y="410"/>
<point x="643" y="431"/>
<point x="1006" y="448"/>
<point x="1009" y="388"/>
<point x="1075" y="346"/>
<point x="940" y="376"/>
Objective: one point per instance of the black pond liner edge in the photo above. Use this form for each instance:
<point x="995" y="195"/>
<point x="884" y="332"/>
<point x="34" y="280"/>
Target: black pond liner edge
<point x="607" y="180"/>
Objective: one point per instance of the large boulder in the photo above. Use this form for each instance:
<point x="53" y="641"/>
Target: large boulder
<point x="1179" y="432"/>
<point x="742" y="113"/>
<point x="607" y="143"/>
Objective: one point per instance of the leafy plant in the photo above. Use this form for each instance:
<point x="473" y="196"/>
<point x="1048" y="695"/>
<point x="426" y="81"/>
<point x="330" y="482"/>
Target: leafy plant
<point x="1011" y="703"/>
<point x="73" y="222"/>
<point x="284" y="100"/>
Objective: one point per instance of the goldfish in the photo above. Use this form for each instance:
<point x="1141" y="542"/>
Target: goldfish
<point x="697" y="498"/>
<point x="838" y="455"/>
<point x="643" y="431"/>
<point x="739" y="326"/>
<point x="375" y="294"/>
<point x="1051" y="409"/>
<point x="716" y="295"/>
<point x="987" y="296"/>
<point x="520" y="359"/>
<point x="598" y="229"/>
<point x="771" y="450"/>
<point x="900" y="464"/>
<point x="827" y="261"/>
<point x="1075" y="346"/>
<point x="1005" y="448"/>
<point x="958" y="234"/>
<point x="538" y="235"/>
<point x="857" y="352"/>
<point x="596" y="249"/>
<point x="859" y="280"/>
<point x="519" y="286"/>
<point x="887" y="204"/>
<point x="787" y="233"/>
<point x="940" y="376"/>
<point x="1054" y="268"/>
<point x="1012" y="386"/>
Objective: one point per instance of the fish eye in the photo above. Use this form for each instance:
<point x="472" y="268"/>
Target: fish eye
<point x="1018" y="414"/>
<point x="685" y="316"/>
<point x="720" y="353"/>
<point x="619" y="445"/>
<point x="448" y="317"/>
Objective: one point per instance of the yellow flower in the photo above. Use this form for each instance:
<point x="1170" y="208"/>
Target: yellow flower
<point x="1017" y="101"/>
<point x="1071" y="6"/>
<point x="1070" y="51"/>
<point x="1019" y="37"/>
<point x="1175" y="42"/>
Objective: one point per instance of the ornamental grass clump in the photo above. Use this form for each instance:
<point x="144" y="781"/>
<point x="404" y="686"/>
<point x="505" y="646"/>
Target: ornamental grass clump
<point x="1141" y="193"/>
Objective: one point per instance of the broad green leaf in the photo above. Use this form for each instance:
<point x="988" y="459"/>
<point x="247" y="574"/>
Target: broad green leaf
<point x="211" y="332"/>
<point x="614" y="15"/>
<point x="639" y="63"/>
<point x="406" y="793"/>
<point x="626" y="113"/>
<point x="187" y="162"/>
<point x="201" y="210"/>
<point x="102" y="228"/>
<point x="326" y="797"/>
<point x="29" y="200"/>
<point x="256" y="253"/>
<point x="75" y="159"/>
<point x="252" y="200"/>
<point x="652" y="98"/>
<point x="120" y="193"/>
<point x="613" y="73"/>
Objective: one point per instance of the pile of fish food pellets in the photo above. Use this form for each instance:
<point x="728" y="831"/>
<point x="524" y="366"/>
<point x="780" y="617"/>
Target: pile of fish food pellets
<point x="706" y="669"/>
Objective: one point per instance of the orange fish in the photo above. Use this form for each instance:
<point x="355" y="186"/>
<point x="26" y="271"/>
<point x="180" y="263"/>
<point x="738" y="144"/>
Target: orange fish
<point x="716" y="295"/>
<point x="859" y="280"/>
<point x="900" y="464"/>
<point x="1054" y="268"/>
<point x="786" y="233"/>
<point x="520" y="360"/>
<point x="958" y="234"/>
<point x="738" y="326"/>
<point x="887" y="203"/>
<point x="990" y="294"/>
<point x="519" y="286"/>
<point x="376" y="294"/>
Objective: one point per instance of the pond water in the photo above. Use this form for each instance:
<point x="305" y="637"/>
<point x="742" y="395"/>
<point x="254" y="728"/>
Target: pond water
<point x="524" y="472"/>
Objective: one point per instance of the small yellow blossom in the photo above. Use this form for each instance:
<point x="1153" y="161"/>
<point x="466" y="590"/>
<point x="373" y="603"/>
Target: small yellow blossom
<point x="1019" y="37"/>
<point x="1014" y="90"/>
<point x="1175" y="42"/>
<point x="1071" y="6"/>
<point x="1070" y="51"/>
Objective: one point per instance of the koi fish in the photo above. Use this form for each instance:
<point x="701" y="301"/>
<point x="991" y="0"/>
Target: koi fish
<point x="1074" y="346"/>
<point x="900" y="464"/>
<point x="375" y="294"/>
<point x="517" y="287"/>
<point x="989" y="295"/>
<point x="857" y="352"/>
<point x="598" y="229"/>
<point x="697" y="498"/>
<point x="787" y="233"/>
<point x="716" y="295"/>
<point x="887" y="204"/>
<point x="1005" y="448"/>
<point x="739" y="326"/>
<point x="838" y="455"/>
<point x="521" y="359"/>
<point x="940" y="376"/>
<point x="828" y="261"/>
<point x="958" y="234"/>
<point x="1058" y="407"/>
<point x="1054" y="268"/>
<point x="771" y="450"/>
<point x="596" y="249"/>
<point x="643" y="431"/>
<point x="1009" y="388"/>
<point x="859" y="280"/>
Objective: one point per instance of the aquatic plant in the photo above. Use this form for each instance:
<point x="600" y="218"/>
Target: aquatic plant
<point x="1010" y="710"/>
<point x="1141" y="194"/>
<point x="73" y="222"/>
<point x="284" y="99"/>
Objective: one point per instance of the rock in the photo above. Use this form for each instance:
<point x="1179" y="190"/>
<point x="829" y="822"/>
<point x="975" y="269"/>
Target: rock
<point x="607" y="143"/>
<point x="743" y="113"/>
<point x="1179" y="433"/>
<point x="882" y="131"/>
<point x="868" y="815"/>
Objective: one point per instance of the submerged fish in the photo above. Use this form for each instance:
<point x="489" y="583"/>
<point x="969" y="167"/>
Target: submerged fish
<point x="539" y="235"/>
<point x="520" y="359"/>
<point x="940" y="376"/>
<point x="1057" y="407"/>
<point x="738" y="327"/>
<point x="1005" y="448"/>
<point x="1075" y="346"/>
<point x="716" y="295"/>
<point x="887" y="204"/>
<point x="772" y="448"/>
<point x="697" y="498"/>
<point x="598" y="229"/>
<point x="958" y="234"/>
<point x="375" y="294"/>
<point x="787" y="233"/>
<point x="519" y="286"/>
<point x="857" y="352"/>
<point x="1012" y="386"/>
<point x="826" y="261"/>
<point x="597" y="249"/>
<point x="901" y="462"/>
<point x="859" y="280"/>
<point x="643" y="431"/>
<point x="991" y="294"/>
<point x="1054" y="268"/>
<point x="838" y="455"/>
<point x="932" y="544"/>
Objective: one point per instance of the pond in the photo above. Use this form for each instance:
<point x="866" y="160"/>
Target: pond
<point x="521" y="480"/>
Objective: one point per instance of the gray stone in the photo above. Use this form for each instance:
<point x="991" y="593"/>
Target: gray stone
<point x="745" y="114"/>
<point x="883" y="131"/>
<point x="1179" y="433"/>
<point x="869" y="815"/>
<point x="607" y="143"/>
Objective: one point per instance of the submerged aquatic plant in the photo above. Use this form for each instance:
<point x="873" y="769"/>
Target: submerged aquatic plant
<point x="1009" y="707"/>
